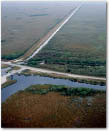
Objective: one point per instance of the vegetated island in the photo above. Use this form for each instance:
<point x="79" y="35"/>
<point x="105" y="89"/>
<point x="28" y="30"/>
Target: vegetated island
<point x="55" y="106"/>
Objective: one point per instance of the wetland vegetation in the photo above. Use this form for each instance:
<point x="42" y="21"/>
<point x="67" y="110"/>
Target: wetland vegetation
<point x="4" y="66"/>
<point x="27" y="72"/>
<point x="22" y="26"/>
<point x="80" y="46"/>
<point x="63" y="90"/>
<point x="53" y="108"/>
<point x="36" y="99"/>
<point x="8" y="83"/>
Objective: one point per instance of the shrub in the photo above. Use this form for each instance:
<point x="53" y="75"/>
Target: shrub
<point x="68" y="91"/>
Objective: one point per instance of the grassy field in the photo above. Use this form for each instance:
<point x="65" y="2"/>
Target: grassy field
<point x="55" y="106"/>
<point x="25" y="23"/>
<point x="4" y="66"/>
<point x="80" y="46"/>
<point x="8" y="83"/>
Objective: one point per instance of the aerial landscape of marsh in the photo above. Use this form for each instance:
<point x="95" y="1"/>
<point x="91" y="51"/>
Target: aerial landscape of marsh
<point x="74" y="48"/>
<point x="53" y="64"/>
<point x="24" y="23"/>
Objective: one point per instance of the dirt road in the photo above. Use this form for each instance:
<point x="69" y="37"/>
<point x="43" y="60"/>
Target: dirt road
<point x="35" y="49"/>
<point x="22" y="67"/>
<point x="44" y="41"/>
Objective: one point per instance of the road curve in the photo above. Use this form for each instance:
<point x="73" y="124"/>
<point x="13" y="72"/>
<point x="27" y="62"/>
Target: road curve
<point x="22" y="67"/>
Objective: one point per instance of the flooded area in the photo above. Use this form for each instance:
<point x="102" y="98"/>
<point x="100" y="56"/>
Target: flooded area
<point x="4" y="71"/>
<point x="26" y="81"/>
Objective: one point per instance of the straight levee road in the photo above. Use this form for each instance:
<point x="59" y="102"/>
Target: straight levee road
<point x="44" y="41"/>
<point x="36" y="48"/>
<point x="22" y="67"/>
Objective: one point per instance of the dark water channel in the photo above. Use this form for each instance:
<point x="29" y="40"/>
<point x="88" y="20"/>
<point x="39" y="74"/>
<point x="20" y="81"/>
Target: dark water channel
<point x="25" y="81"/>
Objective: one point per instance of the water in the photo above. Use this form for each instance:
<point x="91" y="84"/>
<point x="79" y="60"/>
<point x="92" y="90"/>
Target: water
<point x="25" y="81"/>
<point x="4" y="70"/>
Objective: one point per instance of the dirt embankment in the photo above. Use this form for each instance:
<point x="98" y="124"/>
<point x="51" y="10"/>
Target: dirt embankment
<point x="50" y="33"/>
